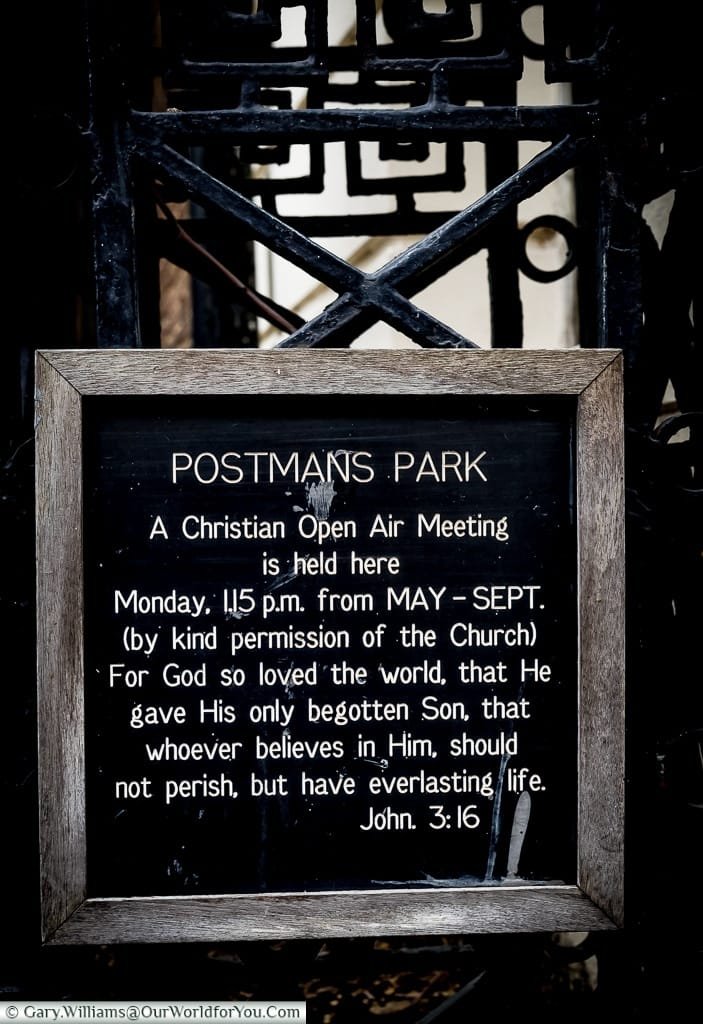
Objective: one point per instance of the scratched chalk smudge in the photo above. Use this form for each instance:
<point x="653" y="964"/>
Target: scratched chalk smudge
<point x="320" y="496"/>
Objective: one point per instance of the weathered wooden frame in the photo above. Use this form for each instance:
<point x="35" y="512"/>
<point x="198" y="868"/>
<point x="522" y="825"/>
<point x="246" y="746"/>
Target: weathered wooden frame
<point x="593" y="378"/>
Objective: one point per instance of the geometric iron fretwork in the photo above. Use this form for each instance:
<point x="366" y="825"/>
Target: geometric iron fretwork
<point x="416" y="82"/>
<point x="250" y="110"/>
<point x="366" y="297"/>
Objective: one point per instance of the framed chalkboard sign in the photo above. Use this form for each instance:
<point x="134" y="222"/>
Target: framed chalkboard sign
<point x="329" y="643"/>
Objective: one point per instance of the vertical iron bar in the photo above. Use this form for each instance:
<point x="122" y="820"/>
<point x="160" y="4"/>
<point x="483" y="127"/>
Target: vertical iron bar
<point x="115" y="307"/>
<point x="503" y="274"/>
<point x="619" y="298"/>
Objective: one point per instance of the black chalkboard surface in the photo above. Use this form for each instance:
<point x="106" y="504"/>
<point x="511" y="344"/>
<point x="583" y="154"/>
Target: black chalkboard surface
<point x="329" y="646"/>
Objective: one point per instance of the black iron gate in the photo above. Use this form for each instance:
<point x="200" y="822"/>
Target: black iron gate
<point x="127" y="107"/>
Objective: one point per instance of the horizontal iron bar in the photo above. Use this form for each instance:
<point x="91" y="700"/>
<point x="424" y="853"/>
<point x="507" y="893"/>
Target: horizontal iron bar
<point x="436" y="121"/>
<point x="295" y="62"/>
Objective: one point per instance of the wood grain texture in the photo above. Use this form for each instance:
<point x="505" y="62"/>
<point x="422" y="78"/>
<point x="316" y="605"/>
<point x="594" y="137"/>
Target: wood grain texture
<point x="59" y="646"/>
<point x="218" y="371"/>
<point x="328" y="915"/>
<point x="602" y="640"/>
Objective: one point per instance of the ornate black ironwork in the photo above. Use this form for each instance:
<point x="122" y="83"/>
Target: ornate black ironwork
<point x="187" y="95"/>
<point x="443" y="79"/>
